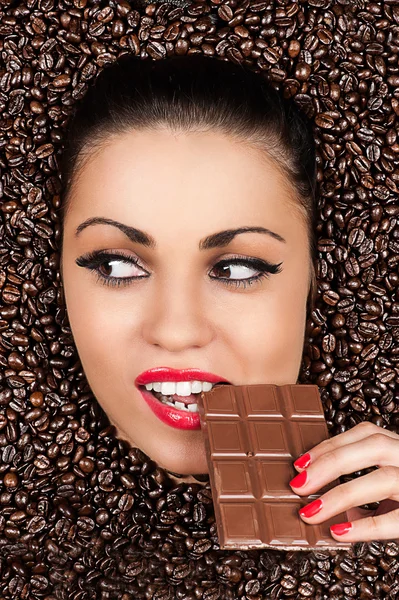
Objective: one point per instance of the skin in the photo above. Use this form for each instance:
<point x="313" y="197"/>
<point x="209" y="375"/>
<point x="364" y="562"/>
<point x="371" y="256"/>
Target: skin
<point x="365" y="445"/>
<point x="179" y="317"/>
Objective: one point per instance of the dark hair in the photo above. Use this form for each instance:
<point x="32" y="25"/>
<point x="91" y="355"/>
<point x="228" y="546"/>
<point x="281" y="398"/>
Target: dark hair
<point x="188" y="93"/>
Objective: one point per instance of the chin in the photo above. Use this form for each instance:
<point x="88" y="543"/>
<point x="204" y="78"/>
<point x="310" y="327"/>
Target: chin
<point x="182" y="468"/>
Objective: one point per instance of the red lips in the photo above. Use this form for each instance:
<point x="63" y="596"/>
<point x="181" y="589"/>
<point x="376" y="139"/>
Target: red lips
<point x="169" y="374"/>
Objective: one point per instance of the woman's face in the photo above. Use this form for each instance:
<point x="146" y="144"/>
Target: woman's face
<point x="187" y="307"/>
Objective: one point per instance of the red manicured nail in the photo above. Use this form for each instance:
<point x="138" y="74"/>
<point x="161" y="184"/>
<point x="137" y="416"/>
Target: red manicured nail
<point x="341" y="528"/>
<point x="303" y="461"/>
<point x="299" y="480"/>
<point x="311" y="509"/>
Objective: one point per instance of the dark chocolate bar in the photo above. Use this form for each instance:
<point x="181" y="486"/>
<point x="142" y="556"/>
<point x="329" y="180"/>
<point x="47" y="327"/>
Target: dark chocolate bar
<point x="253" y="434"/>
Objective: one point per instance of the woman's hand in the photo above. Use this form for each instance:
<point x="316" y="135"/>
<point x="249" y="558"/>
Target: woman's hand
<point x="365" y="445"/>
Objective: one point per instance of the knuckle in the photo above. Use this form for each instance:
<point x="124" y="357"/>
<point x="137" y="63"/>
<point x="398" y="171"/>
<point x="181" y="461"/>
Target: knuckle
<point x="335" y="497"/>
<point x="371" y="523"/>
<point x="330" y="461"/>
<point x="326" y="442"/>
<point x="392" y="474"/>
<point x="369" y="427"/>
<point x="383" y="447"/>
<point x="381" y="441"/>
<point x="394" y="514"/>
<point x="379" y="438"/>
<point x="325" y="445"/>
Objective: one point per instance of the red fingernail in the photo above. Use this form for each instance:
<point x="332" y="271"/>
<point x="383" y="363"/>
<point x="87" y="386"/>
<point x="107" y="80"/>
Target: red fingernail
<point x="311" y="509"/>
<point x="299" y="480"/>
<point x="341" y="528"/>
<point x="303" y="461"/>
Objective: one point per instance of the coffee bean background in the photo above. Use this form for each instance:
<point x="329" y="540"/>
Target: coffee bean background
<point x="82" y="515"/>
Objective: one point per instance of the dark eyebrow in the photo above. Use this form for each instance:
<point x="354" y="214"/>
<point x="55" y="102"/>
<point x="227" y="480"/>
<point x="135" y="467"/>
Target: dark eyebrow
<point x="216" y="240"/>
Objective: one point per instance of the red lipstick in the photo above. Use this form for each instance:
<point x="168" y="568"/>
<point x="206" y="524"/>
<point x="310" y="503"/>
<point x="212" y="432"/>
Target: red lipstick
<point x="180" y="419"/>
<point x="168" y="374"/>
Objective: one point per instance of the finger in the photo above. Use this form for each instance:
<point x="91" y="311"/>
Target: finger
<point x="383" y="527"/>
<point x="386" y="506"/>
<point x="376" y="450"/>
<point x="378" y="485"/>
<point x="361" y="431"/>
<point x="353" y="514"/>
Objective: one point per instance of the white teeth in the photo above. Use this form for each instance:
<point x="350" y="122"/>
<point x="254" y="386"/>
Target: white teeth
<point x="181" y="406"/>
<point x="181" y="388"/>
<point x="168" y="388"/>
<point x="189" y="408"/>
<point x="196" y="387"/>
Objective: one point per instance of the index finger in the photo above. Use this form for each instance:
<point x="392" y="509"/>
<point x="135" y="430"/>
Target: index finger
<point x="360" y="431"/>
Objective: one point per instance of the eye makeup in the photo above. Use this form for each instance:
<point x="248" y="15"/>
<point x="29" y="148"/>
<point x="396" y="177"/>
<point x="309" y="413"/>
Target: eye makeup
<point x="97" y="259"/>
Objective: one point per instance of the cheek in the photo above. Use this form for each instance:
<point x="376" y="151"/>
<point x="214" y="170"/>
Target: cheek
<point x="267" y="330"/>
<point x="99" y="329"/>
<point x="268" y="340"/>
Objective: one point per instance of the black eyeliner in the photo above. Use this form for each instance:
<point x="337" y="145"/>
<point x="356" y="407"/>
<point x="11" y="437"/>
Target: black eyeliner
<point x="94" y="259"/>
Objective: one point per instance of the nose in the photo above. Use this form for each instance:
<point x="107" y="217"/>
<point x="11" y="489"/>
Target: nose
<point x="177" y="319"/>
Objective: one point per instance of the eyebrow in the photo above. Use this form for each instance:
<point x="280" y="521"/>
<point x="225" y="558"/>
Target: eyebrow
<point x="216" y="240"/>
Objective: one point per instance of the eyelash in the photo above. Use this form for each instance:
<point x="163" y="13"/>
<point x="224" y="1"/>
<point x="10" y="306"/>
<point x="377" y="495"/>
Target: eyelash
<point x="93" y="260"/>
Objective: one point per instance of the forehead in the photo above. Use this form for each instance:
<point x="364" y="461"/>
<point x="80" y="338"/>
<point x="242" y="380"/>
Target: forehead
<point x="148" y="174"/>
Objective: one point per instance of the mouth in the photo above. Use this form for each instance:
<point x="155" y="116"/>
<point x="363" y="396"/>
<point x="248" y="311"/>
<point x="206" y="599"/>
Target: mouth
<point x="176" y="411"/>
<point x="187" y="403"/>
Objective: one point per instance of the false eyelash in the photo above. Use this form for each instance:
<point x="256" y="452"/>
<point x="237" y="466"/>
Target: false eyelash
<point x="93" y="260"/>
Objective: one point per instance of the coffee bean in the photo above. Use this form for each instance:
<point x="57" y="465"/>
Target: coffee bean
<point x="324" y="121"/>
<point x="10" y="480"/>
<point x="126" y="502"/>
<point x="225" y="12"/>
<point x="156" y="50"/>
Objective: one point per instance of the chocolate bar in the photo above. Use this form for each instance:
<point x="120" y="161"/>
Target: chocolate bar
<point x="253" y="434"/>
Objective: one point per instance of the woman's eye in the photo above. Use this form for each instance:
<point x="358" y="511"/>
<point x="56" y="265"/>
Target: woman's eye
<point x="114" y="269"/>
<point x="235" y="271"/>
<point x="119" y="268"/>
